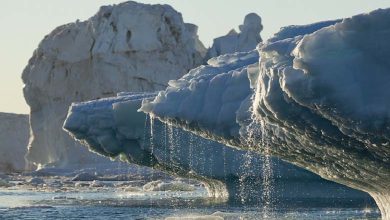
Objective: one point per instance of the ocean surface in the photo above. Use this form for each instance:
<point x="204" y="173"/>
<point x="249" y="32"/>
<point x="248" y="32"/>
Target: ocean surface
<point x="60" y="198"/>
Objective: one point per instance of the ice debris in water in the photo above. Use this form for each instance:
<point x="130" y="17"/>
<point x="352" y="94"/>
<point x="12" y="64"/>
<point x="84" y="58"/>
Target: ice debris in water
<point x="85" y="177"/>
<point x="160" y="185"/>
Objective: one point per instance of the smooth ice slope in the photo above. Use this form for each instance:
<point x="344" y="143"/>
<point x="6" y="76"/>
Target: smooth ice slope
<point x="321" y="102"/>
<point x="245" y="41"/>
<point x="14" y="133"/>
<point x="125" y="47"/>
<point x="113" y="127"/>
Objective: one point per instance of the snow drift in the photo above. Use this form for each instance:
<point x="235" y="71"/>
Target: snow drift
<point x="125" y="47"/>
<point x="14" y="133"/>
<point x="320" y="102"/>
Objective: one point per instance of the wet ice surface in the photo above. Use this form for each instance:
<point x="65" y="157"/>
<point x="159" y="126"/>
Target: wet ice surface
<point x="134" y="197"/>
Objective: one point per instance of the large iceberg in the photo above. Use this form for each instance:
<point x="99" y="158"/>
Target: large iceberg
<point x="14" y="133"/>
<point x="125" y="47"/>
<point x="113" y="127"/>
<point x="321" y="101"/>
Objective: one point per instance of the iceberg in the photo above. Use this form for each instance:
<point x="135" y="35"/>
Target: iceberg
<point x="14" y="132"/>
<point x="125" y="47"/>
<point x="114" y="127"/>
<point x="245" y="41"/>
<point x="320" y="101"/>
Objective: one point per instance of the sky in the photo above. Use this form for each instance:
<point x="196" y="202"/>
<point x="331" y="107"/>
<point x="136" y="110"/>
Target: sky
<point x="24" y="23"/>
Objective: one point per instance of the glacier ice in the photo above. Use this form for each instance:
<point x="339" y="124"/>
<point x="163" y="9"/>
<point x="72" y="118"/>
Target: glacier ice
<point x="320" y="102"/>
<point x="14" y="133"/>
<point x="125" y="47"/>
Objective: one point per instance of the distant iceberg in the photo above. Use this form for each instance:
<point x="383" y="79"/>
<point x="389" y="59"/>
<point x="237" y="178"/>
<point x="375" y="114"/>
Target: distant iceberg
<point x="244" y="41"/>
<point x="14" y="132"/>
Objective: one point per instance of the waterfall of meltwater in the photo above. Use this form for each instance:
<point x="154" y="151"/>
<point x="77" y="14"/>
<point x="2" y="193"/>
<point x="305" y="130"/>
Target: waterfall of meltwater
<point x="268" y="181"/>
<point x="255" y="131"/>
<point x="171" y="144"/>
<point x="151" y="137"/>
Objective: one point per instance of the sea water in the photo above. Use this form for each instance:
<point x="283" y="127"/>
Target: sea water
<point x="164" y="198"/>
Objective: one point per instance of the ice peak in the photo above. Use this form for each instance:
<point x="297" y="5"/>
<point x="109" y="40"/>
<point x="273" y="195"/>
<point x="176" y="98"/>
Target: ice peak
<point x="244" y="41"/>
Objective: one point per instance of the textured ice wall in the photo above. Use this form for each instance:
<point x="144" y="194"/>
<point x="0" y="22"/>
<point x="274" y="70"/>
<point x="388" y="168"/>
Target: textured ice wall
<point x="244" y="41"/>
<point x="14" y="134"/>
<point x="125" y="47"/>
<point x="321" y="102"/>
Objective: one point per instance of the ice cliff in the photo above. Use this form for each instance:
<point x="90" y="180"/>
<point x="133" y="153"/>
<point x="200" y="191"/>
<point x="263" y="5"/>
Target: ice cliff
<point x="320" y="102"/>
<point x="245" y="41"/>
<point x="14" y="133"/>
<point x="125" y="47"/>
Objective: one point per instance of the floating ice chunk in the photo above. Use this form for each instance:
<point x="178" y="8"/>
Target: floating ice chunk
<point x="160" y="185"/>
<point x="81" y="184"/>
<point x="5" y="183"/>
<point x="85" y="177"/>
<point x="97" y="183"/>
<point x="132" y="189"/>
<point x="203" y="217"/>
<point x="35" y="181"/>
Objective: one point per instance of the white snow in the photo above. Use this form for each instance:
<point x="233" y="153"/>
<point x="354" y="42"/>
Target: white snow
<point x="14" y="133"/>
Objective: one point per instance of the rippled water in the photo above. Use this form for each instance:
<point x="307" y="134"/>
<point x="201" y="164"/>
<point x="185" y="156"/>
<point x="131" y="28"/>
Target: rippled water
<point x="115" y="212"/>
<point x="114" y="200"/>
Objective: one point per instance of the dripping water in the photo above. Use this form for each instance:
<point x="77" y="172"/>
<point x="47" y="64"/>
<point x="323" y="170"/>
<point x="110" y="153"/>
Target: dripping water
<point x="256" y="137"/>
<point x="151" y="148"/>
<point x="151" y="138"/>
<point x="171" y="144"/>
<point x="246" y="174"/>
<point x="191" y="151"/>
<point x="267" y="173"/>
